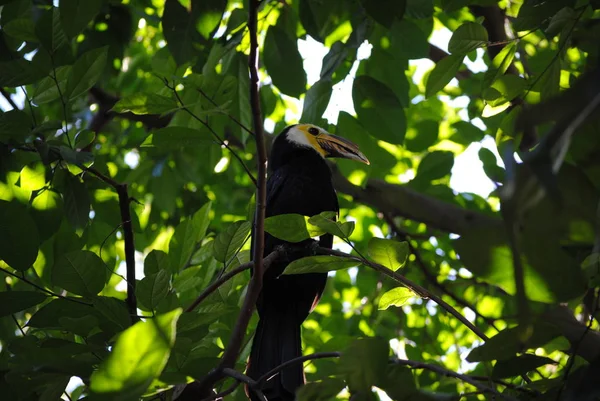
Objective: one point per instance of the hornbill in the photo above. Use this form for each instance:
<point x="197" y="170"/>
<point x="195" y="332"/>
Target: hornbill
<point x="300" y="182"/>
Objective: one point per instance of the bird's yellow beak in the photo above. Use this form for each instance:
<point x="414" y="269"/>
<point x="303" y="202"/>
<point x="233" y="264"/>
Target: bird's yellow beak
<point x="336" y="146"/>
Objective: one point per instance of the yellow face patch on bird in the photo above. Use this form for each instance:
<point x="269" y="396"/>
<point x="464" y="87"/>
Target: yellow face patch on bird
<point x="326" y="144"/>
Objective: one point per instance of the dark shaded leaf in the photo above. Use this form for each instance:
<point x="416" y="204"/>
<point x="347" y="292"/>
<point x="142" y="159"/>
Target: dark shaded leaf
<point x="20" y="239"/>
<point x="155" y="262"/>
<point x="152" y="289"/>
<point x="76" y="14"/>
<point x="435" y="165"/>
<point x="379" y="110"/>
<point x="80" y="272"/>
<point x="16" y="301"/>
<point x="283" y="62"/>
<point x="77" y="201"/>
<point x="364" y="363"/>
<point x="443" y="72"/>
<point x="316" y="101"/>
<point x="519" y="365"/>
<point x="467" y="37"/>
<point x="228" y="242"/>
<point x="85" y="72"/>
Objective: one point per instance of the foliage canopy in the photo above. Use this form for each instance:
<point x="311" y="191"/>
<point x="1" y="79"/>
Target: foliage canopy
<point x="126" y="149"/>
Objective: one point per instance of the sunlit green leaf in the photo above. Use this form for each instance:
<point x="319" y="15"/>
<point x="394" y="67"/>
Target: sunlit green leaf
<point x="395" y="297"/>
<point x="291" y="227"/>
<point x="319" y="264"/>
<point x="146" y="103"/>
<point x="468" y="37"/>
<point x="33" y="176"/>
<point x="442" y="73"/>
<point x="326" y="222"/>
<point x="392" y="254"/>
<point x="137" y="358"/>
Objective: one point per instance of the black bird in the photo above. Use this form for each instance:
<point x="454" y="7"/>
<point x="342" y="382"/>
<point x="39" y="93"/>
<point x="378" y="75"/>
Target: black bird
<point x="299" y="182"/>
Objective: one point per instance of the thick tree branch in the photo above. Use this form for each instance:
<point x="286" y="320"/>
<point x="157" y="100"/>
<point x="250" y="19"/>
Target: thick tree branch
<point x="125" y="211"/>
<point x="398" y="200"/>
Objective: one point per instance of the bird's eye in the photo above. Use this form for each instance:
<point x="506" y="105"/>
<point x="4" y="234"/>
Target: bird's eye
<point x="313" y="131"/>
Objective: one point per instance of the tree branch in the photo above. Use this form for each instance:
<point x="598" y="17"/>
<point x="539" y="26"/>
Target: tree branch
<point x="8" y="98"/>
<point x="301" y="359"/>
<point x="430" y="276"/>
<point x="227" y="276"/>
<point x="450" y="373"/>
<point x="421" y="291"/>
<point x="39" y="287"/>
<point x="245" y="379"/>
<point x="124" y="201"/>
<point x="399" y="200"/>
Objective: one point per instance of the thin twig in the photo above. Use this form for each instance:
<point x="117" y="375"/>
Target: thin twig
<point x="8" y="98"/>
<point x="245" y="379"/>
<point x="450" y="373"/>
<point x="62" y="100"/>
<point x="301" y="359"/>
<point x="53" y="294"/>
<point x="227" y="276"/>
<point x="431" y="277"/>
<point x="212" y="131"/>
<point x="422" y="292"/>
<point x="18" y="325"/>
<point x="232" y="118"/>
<point x="223" y="393"/>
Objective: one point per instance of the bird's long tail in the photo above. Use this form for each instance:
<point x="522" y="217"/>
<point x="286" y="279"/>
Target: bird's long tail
<point x="277" y="340"/>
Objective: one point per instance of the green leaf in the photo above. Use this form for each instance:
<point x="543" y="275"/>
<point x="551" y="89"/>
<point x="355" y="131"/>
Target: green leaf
<point x="316" y="101"/>
<point x="152" y="289"/>
<point x="47" y="91"/>
<point x="422" y="135"/>
<point x="145" y="103"/>
<point x="179" y="31"/>
<point x="16" y="301"/>
<point x="113" y="309"/>
<point x="50" y="33"/>
<point x="33" y="176"/>
<point x="138" y="357"/>
<point x="155" y="262"/>
<point x="47" y="212"/>
<point x="208" y="14"/>
<point x="227" y="243"/>
<point x="80" y="272"/>
<point x="182" y="243"/>
<point x="84" y="138"/>
<point x="467" y="37"/>
<point x="408" y="40"/>
<point x="325" y="390"/>
<point x="19" y="72"/>
<point x="508" y="342"/>
<point x="21" y="28"/>
<point x="20" y="240"/>
<point x="379" y="109"/>
<point x="385" y="12"/>
<point x="320" y="264"/>
<point x="76" y="14"/>
<point x="15" y="124"/>
<point x="202" y="220"/>
<point x="283" y="62"/>
<point x="86" y="71"/>
<point x="364" y="363"/>
<point x="591" y="269"/>
<point x="395" y="297"/>
<point x="442" y="73"/>
<point x="392" y="254"/>
<point x="519" y="365"/>
<point x="326" y="222"/>
<point x="435" y="165"/>
<point x="291" y="227"/>
<point x="77" y="201"/>
<point x="48" y="316"/>
<point x="504" y="89"/>
<point x="535" y="14"/>
<point x="500" y="64"/>
<point x="176" y="138"/>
